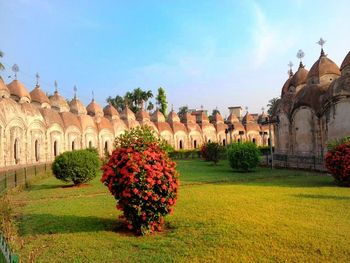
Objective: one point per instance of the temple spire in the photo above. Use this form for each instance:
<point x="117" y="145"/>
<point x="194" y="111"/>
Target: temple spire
<point x="15" y="69"/>
<point x="300" y="56"/>
<point x="93" y="96"/>
<point x="290" y="71"/>
<point x="75" y="91"/>
<point x="55" y="84"/>
<point x="321" y="42"/>
<point x="37" y="76"/>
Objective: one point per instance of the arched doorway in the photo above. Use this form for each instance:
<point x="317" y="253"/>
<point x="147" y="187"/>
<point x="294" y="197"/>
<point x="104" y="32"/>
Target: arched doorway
<point x="254" y="141"/>
<point x="55" y="148"/>
<point x="106" y="146"/>
<point x="180" y="145"/>
<point x="36" y="149"/>
<point x="90" y="144"/>
<point x="16" y="151"/>
<point x="224" y="142"/>
<point x="195" y="144"/>
<point x="73" y="146"/>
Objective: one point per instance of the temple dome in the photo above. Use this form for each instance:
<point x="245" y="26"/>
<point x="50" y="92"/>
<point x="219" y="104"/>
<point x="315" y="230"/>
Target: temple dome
<point x="93" y="109"/>
<point x="247" y="118"/>
<point x="324" y="70"/>
<point x="58" y="102"/>
<point x="4" y="91"/>
<point x="158" y="116"/>
<point x="127" y="114"/>
<point x="345" y="66"/>
<point x="286" y="85"/>
<point x="110" y="111"/>
<point x="77" y="107"/>
<point x="40" y="97"/>
<point x="173" y="117"/>
<point x="232" y="118"/>
<point x="299" y="78"/>
<point x="142" y="115"/>
<point x="19" y="91"/>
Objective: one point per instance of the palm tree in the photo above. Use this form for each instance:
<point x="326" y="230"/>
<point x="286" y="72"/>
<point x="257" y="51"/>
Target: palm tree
<point x="272" y="105"/>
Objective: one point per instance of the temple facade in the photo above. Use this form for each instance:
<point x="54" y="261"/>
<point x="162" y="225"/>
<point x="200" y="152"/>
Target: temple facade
<point x="314" y="108"/>
<point x="35" y="128"/>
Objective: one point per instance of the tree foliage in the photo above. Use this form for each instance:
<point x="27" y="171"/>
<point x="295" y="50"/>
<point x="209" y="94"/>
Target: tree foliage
<point x="78" y="166"/>
<point x="182" y="111"/>
<point x="272" y="105"/>
<point x="143" y="180"/>
<point x="161" y="101"/>
<point x="243" y="156"/>
<point x="135" y="100"/>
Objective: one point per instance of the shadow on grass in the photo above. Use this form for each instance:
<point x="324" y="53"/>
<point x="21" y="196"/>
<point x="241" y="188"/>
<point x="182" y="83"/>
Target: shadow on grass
<point x="325" y="197"/>
<point x="47" y="187"/>
<point x="48" y="224"/>
<point x="39" y="224"/>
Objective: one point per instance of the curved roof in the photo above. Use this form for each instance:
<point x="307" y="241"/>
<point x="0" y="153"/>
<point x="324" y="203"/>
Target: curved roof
<point x="51" y="117"/>
<point x="310" y="96"/>
<point x="86" y="121"/>
<point x="142" y="115"/>
<point x="300" y="76"/>
<point x="9" y="109"/>
<point x="104" y="123"/>
<point x="220" y="126"/>
<point x="232" y="118"/>
<point x="70" y="119"/>
<point x="247" y="118"/>
<point x="323" y="66"/>
<point x="127" y="114"/>
<point x="188" y="118"/>
<point x="218" y="118"/>
<point x="109" y="110"/>
<point x="163" y="126"/>
<point x="339" y="87"/>
<point x="77" y="107"/>
<point x="59" y="102"/>
<point x="39" y="96"/>
<point x="178" y="126"/>
<point x="93" y="109"/>
<point x="251" y="126"/>
<point x="18" y="89"/>
<point x="173" y="117"/>
<point x="286" y="86"/>
<point x="262" y="117"/>
<point x="346" y="62"/>
<point x="158" y="116"/>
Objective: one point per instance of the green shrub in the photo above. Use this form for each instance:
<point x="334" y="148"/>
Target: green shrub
<point x="78" y="166"/>
<point x="185" y="154"/>
<point x="243" y="156"/>
<point x="212" y="152"/>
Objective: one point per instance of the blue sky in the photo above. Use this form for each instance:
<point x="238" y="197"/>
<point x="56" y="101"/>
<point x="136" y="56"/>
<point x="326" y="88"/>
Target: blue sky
<point x="217" y="53"/>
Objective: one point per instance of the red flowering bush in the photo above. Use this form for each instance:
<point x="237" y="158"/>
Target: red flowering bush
<point x="143" y="180"/>
<point x="337" y="162"/>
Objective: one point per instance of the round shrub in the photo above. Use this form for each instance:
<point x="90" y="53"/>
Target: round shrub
<point x="243" y="156"/>
<point x="143" y="180"/>
<point x="337" y="162"/>
<point x="78" y="166"/>
<point x="212" y="152"/>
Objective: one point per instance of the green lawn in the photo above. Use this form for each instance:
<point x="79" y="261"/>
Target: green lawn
<point x="265" y="216"/>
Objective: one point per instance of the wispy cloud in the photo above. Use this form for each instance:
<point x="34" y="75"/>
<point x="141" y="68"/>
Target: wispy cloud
<point x="270" y="39"/>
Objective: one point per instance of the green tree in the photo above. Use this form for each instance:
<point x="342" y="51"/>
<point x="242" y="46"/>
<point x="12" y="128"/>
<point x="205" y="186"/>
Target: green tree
<point x="161" y="101"/>
<point x="211" y="117"/>
<point x="150" y="106"/>
<point x="272" y="105"/>
<point x="182" y="111"/>
<point x="118" y="102"/>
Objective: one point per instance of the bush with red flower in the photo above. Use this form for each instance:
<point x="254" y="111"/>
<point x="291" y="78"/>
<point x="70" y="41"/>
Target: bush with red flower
<point x="143" y="180"/>
<point x="337" y="161"/>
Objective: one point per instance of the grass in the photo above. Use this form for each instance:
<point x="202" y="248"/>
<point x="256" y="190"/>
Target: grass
<point x="221" y="215"/>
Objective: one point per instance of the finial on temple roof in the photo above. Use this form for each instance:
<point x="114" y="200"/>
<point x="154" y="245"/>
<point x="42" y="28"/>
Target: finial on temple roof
<point x="93" y="96"/>
<point x="290" y="71"/>
<point x="37" y="76"/>
<point x="300" y="56"/>
<point x="75" y="91"/>
<point x="15" y="69"/>
<point x="321" y="42"/>
<point x="56" y="91"/>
